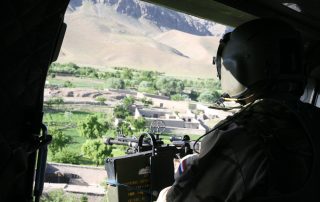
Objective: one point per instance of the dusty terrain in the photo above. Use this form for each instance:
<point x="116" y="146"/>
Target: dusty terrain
<point x="105" y="39"/>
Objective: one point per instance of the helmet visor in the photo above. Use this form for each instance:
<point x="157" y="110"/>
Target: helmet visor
<point x="229" y="83"/>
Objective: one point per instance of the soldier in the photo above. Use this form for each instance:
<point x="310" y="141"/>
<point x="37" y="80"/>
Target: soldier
<point x="268" y="150"/>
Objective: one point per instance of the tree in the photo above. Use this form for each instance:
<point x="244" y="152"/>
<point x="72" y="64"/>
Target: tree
<point x="117" y="74"/>
<point x="71" y="65"/>
<point x="125" y="128"/>
<point x="129" y="83"/>
<point x="138" y="125"/>
<point x="194" y="95"/>
<point x="91" y="127"/>
<point x="130" y="125"/>
<point x="146" y="86"/>
<point x="169" y="86"/>
<point x="212" y="84"/>
<point x="179" y="86"/>
<point x="162" y="85"/>
<point x="209" y="97"/>
<point x="67" y="156"/>
<point x="59" y="140"/>
<point x="115" y="83"/>
<point x="128" y="101"/>
<point x="96" y="150"/>
<point x="120" y="111"/>
<point x="127" y="73"/>
<point x="147" y="75"/>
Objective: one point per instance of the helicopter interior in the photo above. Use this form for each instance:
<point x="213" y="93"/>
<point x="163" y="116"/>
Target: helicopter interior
<point x="31" y="36"/>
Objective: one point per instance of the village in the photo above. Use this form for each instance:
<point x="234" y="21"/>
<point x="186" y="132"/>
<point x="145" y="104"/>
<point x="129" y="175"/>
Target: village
<point x="179" y="117"/>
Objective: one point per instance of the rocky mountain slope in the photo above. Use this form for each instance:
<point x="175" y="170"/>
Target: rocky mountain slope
<point x="107" y="33"/>
<point x="161" y="17"/>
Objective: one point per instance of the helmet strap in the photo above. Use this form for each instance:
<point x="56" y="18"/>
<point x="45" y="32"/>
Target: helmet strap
<point x="217" y="59"/>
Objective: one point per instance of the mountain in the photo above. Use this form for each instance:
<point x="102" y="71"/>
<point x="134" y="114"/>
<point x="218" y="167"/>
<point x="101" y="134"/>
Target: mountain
<point x="110" y="33"/>
<point x="161" y="17"/>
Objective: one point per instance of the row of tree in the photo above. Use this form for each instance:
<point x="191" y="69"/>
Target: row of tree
<point x="204" y="90"/>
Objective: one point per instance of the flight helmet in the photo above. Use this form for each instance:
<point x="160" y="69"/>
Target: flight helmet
<point x="263" y="53"/>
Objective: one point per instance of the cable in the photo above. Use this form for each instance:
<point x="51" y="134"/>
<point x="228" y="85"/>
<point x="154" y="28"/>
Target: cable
<point x="225" y="108"/>
<point x="237" y="99"/>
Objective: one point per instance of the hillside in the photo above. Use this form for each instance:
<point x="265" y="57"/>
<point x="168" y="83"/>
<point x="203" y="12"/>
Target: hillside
<point x="99" y="36"/>
<point x="162" y="18"/>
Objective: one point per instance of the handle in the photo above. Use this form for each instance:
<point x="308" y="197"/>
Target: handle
<point x="153" y="142"/>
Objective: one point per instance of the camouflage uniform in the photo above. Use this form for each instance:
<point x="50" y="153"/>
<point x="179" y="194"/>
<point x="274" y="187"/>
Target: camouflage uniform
<point x="263" y="150"/>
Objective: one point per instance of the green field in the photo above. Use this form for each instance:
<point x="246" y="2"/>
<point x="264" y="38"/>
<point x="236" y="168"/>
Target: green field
<point x="68" y="120"/>
<point x="77" y="82"/>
